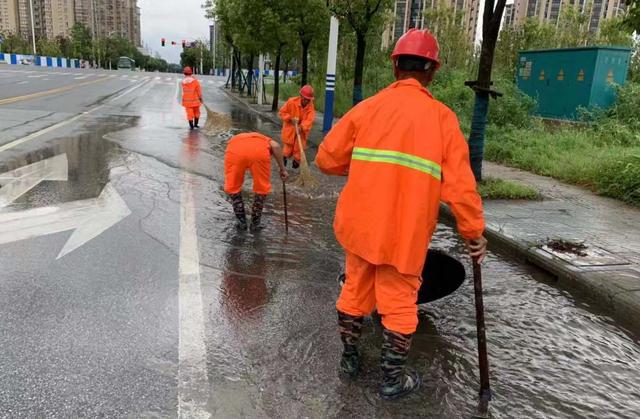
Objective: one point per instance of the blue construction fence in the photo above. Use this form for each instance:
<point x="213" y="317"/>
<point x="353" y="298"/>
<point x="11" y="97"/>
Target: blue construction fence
<point x="40" y="61"/>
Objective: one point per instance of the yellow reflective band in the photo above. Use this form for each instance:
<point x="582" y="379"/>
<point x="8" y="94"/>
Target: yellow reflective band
<point x="396" y="157"/>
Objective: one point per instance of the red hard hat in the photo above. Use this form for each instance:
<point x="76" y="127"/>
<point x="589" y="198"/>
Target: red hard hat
<point x="187" y="71"/>
<point x="420" y="43"/>
<point x="307" y="92"/>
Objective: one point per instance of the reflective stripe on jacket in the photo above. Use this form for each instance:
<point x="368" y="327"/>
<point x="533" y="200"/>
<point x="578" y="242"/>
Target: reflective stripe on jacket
<point x="403" y="152"/>
<point x="191" y="92"/>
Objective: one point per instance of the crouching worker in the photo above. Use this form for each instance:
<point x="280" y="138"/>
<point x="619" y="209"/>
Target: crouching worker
<point x="250" y="151"/>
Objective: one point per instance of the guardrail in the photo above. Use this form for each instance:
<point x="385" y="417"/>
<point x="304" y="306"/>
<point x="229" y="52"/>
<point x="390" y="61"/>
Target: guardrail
<point x="40" y="61"/>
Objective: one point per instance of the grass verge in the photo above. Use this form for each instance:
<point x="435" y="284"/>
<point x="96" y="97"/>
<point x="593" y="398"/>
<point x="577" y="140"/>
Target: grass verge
<point x="491" y="188"/>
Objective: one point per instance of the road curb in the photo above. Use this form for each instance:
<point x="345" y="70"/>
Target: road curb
<point x="597" y="284"/>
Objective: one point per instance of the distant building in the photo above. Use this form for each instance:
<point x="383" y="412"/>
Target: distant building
<point x="549" y="10"/>
<point x="52" y="18"/>
<point x="410" y="14"/>
<point x="508" y="19"/>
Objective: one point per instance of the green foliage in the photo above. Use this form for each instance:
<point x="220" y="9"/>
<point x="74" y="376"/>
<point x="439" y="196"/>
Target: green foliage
<point x="81" y="42"/>
<point x="632" y="19"/>
<point x="14" y="44"/>
<point x="193" y="56"/>
<point x="491" y="188"/>
<point x="619" y="176"/>
<point x="48" y="48"/>
<point x="447" y="25"/>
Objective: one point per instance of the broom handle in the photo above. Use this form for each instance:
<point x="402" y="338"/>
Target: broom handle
<point x="303" y="155"/>
<point x="286" y="211"/>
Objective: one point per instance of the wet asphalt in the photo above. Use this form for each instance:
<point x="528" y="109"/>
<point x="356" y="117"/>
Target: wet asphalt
<point x="136" y="323"/>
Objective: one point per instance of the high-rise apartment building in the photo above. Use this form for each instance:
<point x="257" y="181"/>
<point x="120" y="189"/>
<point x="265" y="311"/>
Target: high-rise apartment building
<point x="550" y="10"/>
<point x="9" y="15"/>
<point x="108" y="18"/>
<point x="509" y="15"/>
<point x="410" y="14"/>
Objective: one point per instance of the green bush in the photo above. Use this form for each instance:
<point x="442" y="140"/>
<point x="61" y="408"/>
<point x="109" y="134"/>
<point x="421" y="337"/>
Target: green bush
<point x="619" y="176"/>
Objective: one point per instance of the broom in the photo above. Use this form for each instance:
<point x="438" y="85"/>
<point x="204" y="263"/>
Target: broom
<point x="216" y="122"/>
<point x="305" y="179"/>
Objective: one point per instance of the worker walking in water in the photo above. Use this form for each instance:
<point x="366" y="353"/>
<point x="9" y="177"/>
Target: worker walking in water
<point x="191" y="97"/>
<point x="403" y="153"/>
<point x="298" y="113"/>
<point x="250" y="151"/>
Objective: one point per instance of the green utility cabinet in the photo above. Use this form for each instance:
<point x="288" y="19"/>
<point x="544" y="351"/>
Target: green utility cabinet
<point x="563" y="80"/>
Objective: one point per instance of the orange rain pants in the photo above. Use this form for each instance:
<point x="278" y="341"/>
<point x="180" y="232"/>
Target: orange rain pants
<point x="382" y="286"/>
<point x="249" y="151"/>
<point x="192" y="112"/>
<point x="289" y="150"/>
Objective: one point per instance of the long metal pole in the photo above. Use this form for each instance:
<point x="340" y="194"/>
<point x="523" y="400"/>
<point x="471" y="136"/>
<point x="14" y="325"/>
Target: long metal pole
<point x="215" y="38"/>
<point x="331" y="75"/>
<point x="33" y="28"/>
<point x="482" y="411"/>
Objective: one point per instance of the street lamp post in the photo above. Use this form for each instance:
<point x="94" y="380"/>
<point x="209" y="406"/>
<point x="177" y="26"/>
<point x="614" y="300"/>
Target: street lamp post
<point x="33" y="29"/>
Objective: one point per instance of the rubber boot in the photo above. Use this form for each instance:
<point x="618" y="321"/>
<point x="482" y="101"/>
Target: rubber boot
<point x="285" y="161"/>
<point x="195" y="122"/>
<point x="191" y="124"/>
<point x="295" y="164"/>
<point x="256" y="212"/>
<point x="397" y="381"/>
<point x="238" y="210"/>
<point x="350" y="332"/>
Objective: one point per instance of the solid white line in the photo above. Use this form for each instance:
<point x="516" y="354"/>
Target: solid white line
<point x="61" y="123"/>
<point x="193" y="383"/>
<point x="23" y="82"/>
<point x="80" y="77"/>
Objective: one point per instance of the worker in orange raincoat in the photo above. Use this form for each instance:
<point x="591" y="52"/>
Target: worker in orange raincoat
<point x="191" y="97"/>
<point x="297" y="113"/>
<point x="403" y="153"/>
<point x="252" y="152"/>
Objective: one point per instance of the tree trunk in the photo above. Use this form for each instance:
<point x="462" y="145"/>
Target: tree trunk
<point x="305" y="62"/>
<point x="276" y="81"/>
<point x="233" y="69"/>
<point x="357" y="75"/>
<point x="249" y="75"/>
<point x="491" y="27"/>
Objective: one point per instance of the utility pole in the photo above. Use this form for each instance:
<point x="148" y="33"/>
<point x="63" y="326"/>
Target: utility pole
<point x="213" y="46"/>
<point x="330" y="86"/>
<point x="201" y="58"/>
<point x="93" y="30"/>
<point x="33" y="29"/>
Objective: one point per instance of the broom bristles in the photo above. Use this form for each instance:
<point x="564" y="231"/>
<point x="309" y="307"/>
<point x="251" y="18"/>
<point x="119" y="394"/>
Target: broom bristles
<point x="305" y="178"/>
<point x="216" y="123"/>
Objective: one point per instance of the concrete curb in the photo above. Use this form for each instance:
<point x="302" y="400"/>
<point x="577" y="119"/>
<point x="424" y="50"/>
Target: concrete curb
<point x="606" y="286"/>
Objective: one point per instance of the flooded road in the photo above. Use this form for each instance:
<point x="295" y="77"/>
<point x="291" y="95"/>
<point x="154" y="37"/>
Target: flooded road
<point x="171" y="311"/>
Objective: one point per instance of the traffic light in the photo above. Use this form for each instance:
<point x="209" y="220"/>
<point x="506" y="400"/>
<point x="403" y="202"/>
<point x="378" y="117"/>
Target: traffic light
<point x="162" y="41"/>
<point x="174" y="43"/>
<point x="184" y="44"/>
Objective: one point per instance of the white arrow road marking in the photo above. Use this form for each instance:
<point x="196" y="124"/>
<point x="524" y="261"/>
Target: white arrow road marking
<point x="20" y="181"/>
<point x="88" y="218"/>
<point x="193" y="384"/>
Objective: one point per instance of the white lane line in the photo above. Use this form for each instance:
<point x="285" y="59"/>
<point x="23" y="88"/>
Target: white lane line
<point x="35" y="76"/>
<point x="60" y="124"/>
<point x="167" y="78"/>
<point x="23" y="82"/>
<point x="158" y="78"/>
<point x="193" y="383"/>
<point x="80" y="77"/>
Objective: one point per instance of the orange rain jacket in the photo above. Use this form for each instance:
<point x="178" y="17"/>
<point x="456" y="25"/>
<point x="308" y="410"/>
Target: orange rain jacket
<point x="191" y="92"/>
<point x="306" y="116"/>
<point x="403" y="152"/>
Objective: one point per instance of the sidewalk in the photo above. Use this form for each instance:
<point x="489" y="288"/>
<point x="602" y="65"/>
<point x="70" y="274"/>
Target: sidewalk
<point x="608" y="266"/>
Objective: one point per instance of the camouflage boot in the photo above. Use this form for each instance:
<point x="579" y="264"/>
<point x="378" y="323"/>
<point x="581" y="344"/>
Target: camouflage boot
<point x="397" y="381"/>
<point x="350" y="331"/>
<point x="256" y="212"/>
<point x="238" y="210"/>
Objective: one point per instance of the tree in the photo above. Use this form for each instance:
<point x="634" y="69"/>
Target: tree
<point x="193" y="56"/>
<point x="310" y="20"/>
<point x="363" y="16"/>
<point x="491" y="20"/>
<point x="14" y="43"/>
<point x="81" y="41"/>
<point x="632" y="19"/>
<point x="447" y="25"/>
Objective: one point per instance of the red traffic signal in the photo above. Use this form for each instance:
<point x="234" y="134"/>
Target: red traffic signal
<point x="173" y="42"/>
<point x="162" y="41"/>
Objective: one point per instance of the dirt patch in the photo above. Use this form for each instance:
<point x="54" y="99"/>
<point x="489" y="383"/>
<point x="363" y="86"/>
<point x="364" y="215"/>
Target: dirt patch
<point x="565" y="246"/>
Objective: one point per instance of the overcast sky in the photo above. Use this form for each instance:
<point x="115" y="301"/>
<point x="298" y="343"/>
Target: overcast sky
<point x="173" y="20"/>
